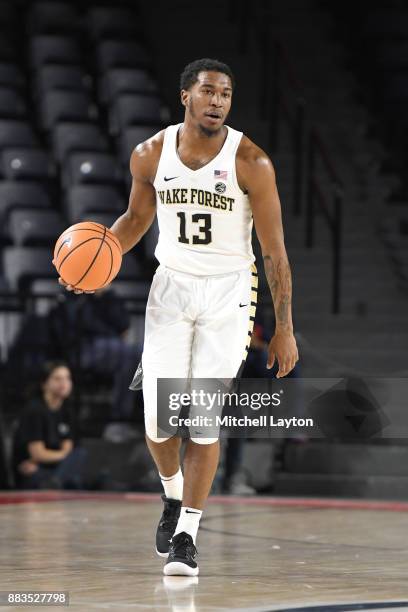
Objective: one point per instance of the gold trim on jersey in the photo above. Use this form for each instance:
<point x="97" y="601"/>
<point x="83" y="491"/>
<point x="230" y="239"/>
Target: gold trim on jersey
<point x="252" y="308"/>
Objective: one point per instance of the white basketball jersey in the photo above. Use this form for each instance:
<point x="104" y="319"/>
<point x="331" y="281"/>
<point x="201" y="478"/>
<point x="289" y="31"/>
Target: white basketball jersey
<point x="205" y="219"/>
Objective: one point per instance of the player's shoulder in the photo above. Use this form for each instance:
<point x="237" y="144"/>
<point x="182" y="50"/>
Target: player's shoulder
<point x="253" y="164"/>
<point x="150" y="147"/>
<point x="250" y="154"/>
<point x="146" y="155"/>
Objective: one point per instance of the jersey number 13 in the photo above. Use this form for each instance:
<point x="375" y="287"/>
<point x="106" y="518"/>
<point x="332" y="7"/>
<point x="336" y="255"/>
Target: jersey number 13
<point x="204" y="230"/>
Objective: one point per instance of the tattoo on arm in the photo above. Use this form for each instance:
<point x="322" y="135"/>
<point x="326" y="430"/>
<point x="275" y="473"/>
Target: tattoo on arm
<point x="271" y="275"/>
<point x="280" y="283"/>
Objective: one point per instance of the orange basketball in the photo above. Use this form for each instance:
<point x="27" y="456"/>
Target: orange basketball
<point x="88" y="256"/>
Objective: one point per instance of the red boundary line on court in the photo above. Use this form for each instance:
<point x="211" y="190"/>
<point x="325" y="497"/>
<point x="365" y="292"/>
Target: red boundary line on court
<point x="25" y="497"/>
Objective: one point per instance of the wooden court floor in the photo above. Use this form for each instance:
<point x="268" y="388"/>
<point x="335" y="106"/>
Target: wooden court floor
<point x="255" y="554"/>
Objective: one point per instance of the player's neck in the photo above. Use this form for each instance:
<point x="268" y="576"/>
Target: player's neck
<point x="193" y="136"/>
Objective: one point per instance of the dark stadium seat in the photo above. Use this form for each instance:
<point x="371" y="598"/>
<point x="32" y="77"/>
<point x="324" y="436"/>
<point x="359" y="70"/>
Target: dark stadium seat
<point x="397" y="87"/>
<point x="59" y="106"/>
<point x="22" y="194"/>
<point x="10" y="75"/>
<point x="125" y="80"/>
<point x="9" y="14"/>
<point x="100" y="168"/>
<point x="29" y="227"/>
<point x="131" y="137"/>
<point x="16" y="134"/>
<point x="5" y="238"/>
<point x="134" y="110"/>
<point x="12" y="105"/>
<point x="8" y="51"/>
<point x="46" y="286"/>
<point x="131" y="268"/>
<point x="52" y="17"/>
<point x="117" y="54"/>
<point x="393" y="56"/>
<point x="131" y="289"/>
<point x="4" y="284"/>
<point x="71" y="78"/>
<point x="27" y="164"/>
<point x="106" y="218"/>
<point x="81" y="201"/>
<point x="386" y="23"/>
<point x="112" y="22"/>
<point x="23" y="264"/>
<point x="54" y="50"/>
<point x="70" y="137"/>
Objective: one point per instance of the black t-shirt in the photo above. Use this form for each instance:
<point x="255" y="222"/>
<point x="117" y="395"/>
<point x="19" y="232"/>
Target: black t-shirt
<point x="39" y="422"/>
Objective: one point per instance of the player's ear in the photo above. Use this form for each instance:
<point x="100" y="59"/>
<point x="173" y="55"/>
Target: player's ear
<point x="184" y="96"/>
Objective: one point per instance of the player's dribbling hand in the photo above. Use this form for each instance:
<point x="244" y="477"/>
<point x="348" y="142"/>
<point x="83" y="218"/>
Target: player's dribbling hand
<point x="70" y="287"/>
<point x="283" y="347"/>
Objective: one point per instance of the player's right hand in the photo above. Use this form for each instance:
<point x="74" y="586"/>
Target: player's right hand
<point x="70" y="287"/>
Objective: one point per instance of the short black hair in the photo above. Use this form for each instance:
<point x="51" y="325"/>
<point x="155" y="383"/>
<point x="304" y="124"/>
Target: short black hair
<point x="48" y="368"/>
<point x="189" y="76"/>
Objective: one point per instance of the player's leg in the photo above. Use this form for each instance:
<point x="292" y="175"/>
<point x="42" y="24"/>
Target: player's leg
<point x="200" y="465"/>
<point x="166" y="456"/>
<point x="167" y="353"/>
<point x="221" y="341"/>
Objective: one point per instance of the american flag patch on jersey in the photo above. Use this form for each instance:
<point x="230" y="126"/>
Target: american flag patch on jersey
<point x="221" y="175"/>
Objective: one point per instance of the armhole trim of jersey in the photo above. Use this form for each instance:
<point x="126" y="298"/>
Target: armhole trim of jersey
<point x="235" y="173"/>
<point x="161" y="153"/>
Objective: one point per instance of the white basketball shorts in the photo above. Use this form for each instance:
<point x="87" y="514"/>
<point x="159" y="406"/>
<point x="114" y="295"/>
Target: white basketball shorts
<point x="196" y="327"/>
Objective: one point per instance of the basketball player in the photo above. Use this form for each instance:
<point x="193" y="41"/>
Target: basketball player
<point x="207" y="183"/>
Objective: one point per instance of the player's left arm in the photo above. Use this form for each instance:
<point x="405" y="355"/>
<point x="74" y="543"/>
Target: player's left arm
<point x="256" y="176"/>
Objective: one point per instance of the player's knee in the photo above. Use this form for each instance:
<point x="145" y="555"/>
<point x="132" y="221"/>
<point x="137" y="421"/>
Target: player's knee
<point x="155" y="439"/>
<point x="151" y="430"/>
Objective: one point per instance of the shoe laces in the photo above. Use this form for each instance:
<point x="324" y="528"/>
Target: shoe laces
<point x="183" y="545"/>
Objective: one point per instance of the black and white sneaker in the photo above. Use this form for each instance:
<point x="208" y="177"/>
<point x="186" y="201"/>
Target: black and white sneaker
<point x="167" y="525"/>
<point x="182" y="556"/>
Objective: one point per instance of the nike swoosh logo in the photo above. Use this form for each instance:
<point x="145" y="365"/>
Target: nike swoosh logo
<point x="242" y="305"/>
<point x="191" y="512"/>
<point x="170" y="178"/>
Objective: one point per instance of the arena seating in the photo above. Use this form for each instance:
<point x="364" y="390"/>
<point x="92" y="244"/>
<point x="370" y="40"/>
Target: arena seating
<point x="377" y="41"/>
<point x="84" y="200"/>
<point x="74" y="102"/>
<point x="78" y="92"/>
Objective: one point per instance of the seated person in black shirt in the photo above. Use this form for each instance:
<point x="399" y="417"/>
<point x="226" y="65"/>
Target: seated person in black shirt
<point x="44" y="452"/>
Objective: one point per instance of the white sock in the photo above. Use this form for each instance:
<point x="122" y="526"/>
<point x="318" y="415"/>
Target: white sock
<point x="189" y="521"/>
<point x="173" y="485"/>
